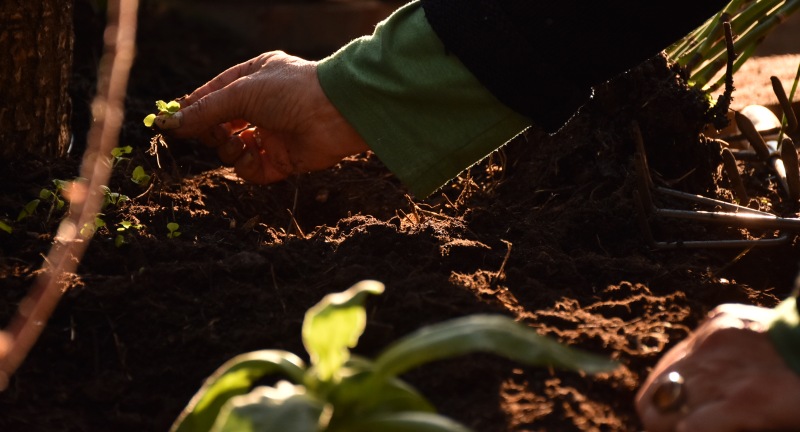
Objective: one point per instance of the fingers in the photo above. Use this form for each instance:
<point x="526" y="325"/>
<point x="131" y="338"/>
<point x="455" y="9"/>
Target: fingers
<point x="257" y="156"/>
<point x="224" y="79"/>
<point x="220" y="100"/>
<point x="217" y="108"/>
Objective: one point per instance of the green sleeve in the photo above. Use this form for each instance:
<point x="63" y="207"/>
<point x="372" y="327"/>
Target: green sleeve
<point x="785" y="332"/>
<point x="417" y="107"/>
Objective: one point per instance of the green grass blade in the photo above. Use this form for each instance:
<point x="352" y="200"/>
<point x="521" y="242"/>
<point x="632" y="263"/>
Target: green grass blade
<point x="485" y="333"/>
<point x="406" y="422"/>
<point x="235" y="378"/>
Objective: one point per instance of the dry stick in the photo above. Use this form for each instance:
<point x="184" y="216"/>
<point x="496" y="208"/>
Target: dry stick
<point x="788" y="112"/>
<point x="85" y="198"/>
<point x="792" y="168"/>
<point x="724" y="100"/>
<point x="732" y="171"/>
<point x="748" y="129"/>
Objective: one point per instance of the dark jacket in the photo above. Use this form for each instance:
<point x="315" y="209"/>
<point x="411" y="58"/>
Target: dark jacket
<point x="542" y="58"/>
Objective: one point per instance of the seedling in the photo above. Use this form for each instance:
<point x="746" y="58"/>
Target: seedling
<point x="173" y="230"/>
<point x="139" y="176"/>
<point x="29" y="209"/>
<point x="164" y="108"/>
<point x="339" y="392"/>
<point x="89" y="228"/>
<point x="122" y="228"/>
<point x="5" y="227"/>
<point x="119" y="153"/>
<point x="112" y="198"/>
<point x="46" y="195"/>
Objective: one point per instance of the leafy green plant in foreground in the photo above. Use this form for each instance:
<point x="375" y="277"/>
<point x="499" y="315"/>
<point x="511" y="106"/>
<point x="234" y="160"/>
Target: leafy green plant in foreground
<point x="340" y="392"/>
<point x="164" y="108"/>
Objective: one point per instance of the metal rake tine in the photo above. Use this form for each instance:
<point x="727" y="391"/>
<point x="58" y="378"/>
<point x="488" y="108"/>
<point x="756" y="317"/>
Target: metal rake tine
<point x="740" y="220"/>
<point x="719" y="244"/>
<point x="710" y="201"/>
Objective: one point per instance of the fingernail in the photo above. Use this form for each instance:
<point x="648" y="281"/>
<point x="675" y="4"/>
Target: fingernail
<point x="167" y="122"/>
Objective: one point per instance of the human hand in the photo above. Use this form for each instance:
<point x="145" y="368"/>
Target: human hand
<point x="732" y="378"/>
<point x="269" y="118"/>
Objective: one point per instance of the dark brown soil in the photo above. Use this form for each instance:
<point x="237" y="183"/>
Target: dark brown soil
<point x="142" y="324"/>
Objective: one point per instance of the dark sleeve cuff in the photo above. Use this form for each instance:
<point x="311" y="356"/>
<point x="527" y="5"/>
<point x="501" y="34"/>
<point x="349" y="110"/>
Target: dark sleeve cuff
<point x="543" y="58"/>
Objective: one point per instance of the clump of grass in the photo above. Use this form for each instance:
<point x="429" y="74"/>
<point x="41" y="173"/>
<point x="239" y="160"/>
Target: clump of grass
<point x="703" y="51"/>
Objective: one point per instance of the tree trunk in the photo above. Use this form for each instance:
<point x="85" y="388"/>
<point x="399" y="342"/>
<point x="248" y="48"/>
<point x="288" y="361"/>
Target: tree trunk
<point x="36" y="40"/>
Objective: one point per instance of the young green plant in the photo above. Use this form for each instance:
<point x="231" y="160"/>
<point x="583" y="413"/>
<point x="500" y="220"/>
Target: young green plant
<point x="140" y="176"/>
<point x="340" y="392"/>
<point x="164" y="109"/>
<point x="47" y="195"/>
<point x="123" y="228"/>
<point x="173" y="228"/>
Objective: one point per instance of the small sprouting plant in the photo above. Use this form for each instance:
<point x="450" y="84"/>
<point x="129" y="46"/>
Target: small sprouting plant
<point x="164" y="108"/>
<point x="28" y="209"/>
<point x="112" y="199"/>
<point x="119" y="154"/>
<point x="89" y="228"/>
<point x="123" y="228"/>
<point x="139" y="176"/>
<point x="339" y="392"/>
<point x="5" y="227"/>
<point x="173" y="228"/>
<point x="47" y="195"/>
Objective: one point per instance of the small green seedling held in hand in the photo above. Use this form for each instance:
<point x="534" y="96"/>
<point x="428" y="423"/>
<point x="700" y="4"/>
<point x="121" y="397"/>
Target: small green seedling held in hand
<point x="340" y="392"/>
<point x="164" y="108"/>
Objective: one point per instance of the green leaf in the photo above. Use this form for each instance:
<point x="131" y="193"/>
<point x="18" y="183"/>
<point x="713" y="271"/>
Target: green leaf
<point x="118" y="152"/>
<point x="234" y="378"/>
<point x="173" y="107"/>
<point x="494" y="334"/>
<point x="139" y="176"/>
<point x="6" y="227"/>
<point x="407" y="422"/>
<point x="149" y="120"/>
<point x="284" y="408"/>
<point x="161" y="106"/>
<point x="46" y="194"/>
<point x="358" y="395"/>
<point x="62" y="184"/>
<point x="333" y="325"/>
<point x="28" y="210"/>
<point x="119" y="240"/>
